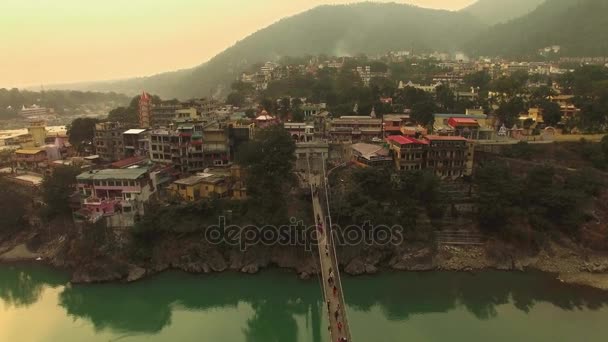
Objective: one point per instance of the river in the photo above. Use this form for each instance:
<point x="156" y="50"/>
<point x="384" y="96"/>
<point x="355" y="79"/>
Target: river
<point x="38" y="304"/>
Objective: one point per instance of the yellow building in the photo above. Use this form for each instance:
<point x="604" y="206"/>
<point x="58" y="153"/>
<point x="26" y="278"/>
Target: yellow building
<point x="214" y="185"/>
<point x="37" y="130"/>
<point x="188" y="189"/>
<point x="200" y="186"/>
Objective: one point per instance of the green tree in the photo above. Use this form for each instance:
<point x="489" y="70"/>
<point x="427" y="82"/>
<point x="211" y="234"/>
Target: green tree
<point x="422" y="112"/>
<point x="552" y="114"/>
<point x="497" y="194"/>
<point x="57" y="188"/>
<point x="81" y="132"/>
<point x="479" y="80"/>
<point x="236" y="99"/>
<point x="509" y="110"/>
<point x="445" y="98"/>
<point x="13" y="215"/>
<point x="268" y="162"/>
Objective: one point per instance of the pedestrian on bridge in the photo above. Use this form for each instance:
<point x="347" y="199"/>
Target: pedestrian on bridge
<point x="335" y="291"/>
<point x="340" y="326"/>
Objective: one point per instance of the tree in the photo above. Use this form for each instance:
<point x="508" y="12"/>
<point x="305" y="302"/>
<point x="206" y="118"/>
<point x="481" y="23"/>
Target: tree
<point x="445" y="98"/>
<point x="14" y="204"/>
<point x="479" y="80"/>
<point x="57" y="189"/>
<point x="268" y="162"/>
<point x="81" y="132"/>
<point x="497" y="194"/>
<point x="509" y="110"/>
<point x="422" y="112"/>
<point x="552" y="114"/>
<point x="236" y="99"/>
<point x="123" y="115"/>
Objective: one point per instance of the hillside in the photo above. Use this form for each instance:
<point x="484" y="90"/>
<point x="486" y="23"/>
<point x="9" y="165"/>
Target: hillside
<point x="334" y="30"/>
<point x="496" y="11"/>
<point x="580" y="27"/>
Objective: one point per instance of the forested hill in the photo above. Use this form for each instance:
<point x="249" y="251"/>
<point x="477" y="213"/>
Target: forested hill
<point x="335" y="30"/>
<point x="580" y="27"/>
<point x="500" y="11"/>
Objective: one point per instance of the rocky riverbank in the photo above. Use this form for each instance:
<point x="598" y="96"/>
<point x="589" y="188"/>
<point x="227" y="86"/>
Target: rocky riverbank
<point x="568" y="262"/>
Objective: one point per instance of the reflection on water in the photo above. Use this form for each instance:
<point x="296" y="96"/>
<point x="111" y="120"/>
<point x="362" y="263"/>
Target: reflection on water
<point x="277" y="307"/>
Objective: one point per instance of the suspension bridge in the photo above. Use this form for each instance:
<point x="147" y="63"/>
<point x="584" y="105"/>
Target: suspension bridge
<point x="331" y="283"/>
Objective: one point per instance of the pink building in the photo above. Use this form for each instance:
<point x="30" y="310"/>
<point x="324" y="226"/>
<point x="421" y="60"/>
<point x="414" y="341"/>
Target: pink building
<point x="111" y="191"/>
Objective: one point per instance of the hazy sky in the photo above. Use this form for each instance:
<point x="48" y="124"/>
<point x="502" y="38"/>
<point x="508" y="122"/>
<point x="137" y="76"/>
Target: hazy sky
<point x="57" y="41"/>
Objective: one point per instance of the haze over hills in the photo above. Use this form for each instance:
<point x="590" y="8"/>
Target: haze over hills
<point x="580" y="27"/>
<point x="499" y="11"/>
<point x="335" y="30"/>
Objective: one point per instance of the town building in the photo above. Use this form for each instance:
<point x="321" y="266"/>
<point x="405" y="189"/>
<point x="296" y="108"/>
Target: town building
<point x="355" y="129"/>
<point x="265" y="120"/>
<point x="408" y="153"/>
<point x="135" y="142"/>
<point x="191" y="147"/>
<point x="371" y="155"/>
<point x="199" y="186"/>
<point x="470" y="126"/>
<point x="300" y="131"/>
<point x="31" y="159"/>
<point x="449" y="156"/>
<point x="240" y="133"/>
<point x="108" y="141"/>
<point x="35" y="112"/>
<point x="109" y="192"/>
<point x="567" y="108"/>
<point x="392" y="123"/>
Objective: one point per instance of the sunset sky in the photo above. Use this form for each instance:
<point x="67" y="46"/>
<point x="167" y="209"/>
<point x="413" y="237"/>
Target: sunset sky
<point x="60" y="41"/>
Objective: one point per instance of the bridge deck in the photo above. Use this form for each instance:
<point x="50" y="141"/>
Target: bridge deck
<point x="332" y="290"/>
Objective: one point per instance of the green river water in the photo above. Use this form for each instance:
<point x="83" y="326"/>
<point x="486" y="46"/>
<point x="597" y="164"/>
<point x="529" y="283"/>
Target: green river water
<point x="37" y="304"/>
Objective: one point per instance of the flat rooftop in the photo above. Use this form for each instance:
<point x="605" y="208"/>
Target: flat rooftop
<point x="104" y="174"/>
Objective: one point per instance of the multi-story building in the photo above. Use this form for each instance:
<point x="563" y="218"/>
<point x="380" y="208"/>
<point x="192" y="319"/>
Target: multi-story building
<point x="30" y="159"/>
<point x="108" y="141"/>
<point x="163" y="114"/>
<point x="114" y="192"/>
<point x="408" y="153"/>
<point x="34" y="111"/>
<point x="448" y="156"/>
<point x="191" y="147"/>
<point x="240" y="133"/>
<point x="300" y="131"/>
<point x="355" y="129"/>
<point x="135" y="142"/>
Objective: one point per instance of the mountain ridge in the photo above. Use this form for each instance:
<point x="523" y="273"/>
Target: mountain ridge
<point x="328" y="29"/>
<point x="494" y="12"/>
<point x="580" y="27"/>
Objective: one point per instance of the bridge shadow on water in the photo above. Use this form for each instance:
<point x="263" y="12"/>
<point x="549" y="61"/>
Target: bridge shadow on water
<point x="278" y="300"/>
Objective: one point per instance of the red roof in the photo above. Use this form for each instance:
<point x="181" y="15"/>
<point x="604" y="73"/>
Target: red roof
<point x="444" y="137"/>
<point x="462" y="121"/>
<point x="403" y="140"/>
<point x="128" y="162"/>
